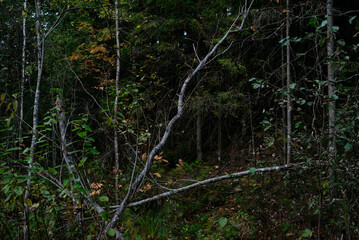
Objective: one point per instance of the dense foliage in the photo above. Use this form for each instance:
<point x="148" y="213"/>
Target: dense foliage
<point x="63" y="168"/>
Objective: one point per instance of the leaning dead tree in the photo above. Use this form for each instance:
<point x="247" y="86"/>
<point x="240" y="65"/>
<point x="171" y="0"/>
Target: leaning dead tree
<point x="137" y="182"/>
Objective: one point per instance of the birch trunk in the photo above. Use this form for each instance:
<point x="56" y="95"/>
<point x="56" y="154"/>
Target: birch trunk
<point x="35" y="117"/>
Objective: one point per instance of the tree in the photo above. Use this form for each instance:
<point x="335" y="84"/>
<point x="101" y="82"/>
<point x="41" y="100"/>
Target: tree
<point x="289" y="100"/>
<point x="331" y="81"/>
<point x="118" y="68"/>
<point x="40" y="48"/>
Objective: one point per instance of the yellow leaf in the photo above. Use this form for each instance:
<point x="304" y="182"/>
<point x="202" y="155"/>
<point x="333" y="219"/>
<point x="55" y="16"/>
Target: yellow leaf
<point x="28" y="202"/>
<point x="14" y="105"/>
<point x="138" y="26"/>
<point x="157" y="175"/>
<point x="35" y="205"/>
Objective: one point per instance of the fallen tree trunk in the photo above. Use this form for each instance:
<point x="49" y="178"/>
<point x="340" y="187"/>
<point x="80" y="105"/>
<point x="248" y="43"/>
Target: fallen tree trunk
<point x="212" y="180"/>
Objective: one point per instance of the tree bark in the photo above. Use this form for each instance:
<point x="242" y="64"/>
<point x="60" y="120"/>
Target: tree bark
<point x="219" y="135"/>
<point x="331" y="86"/>
<point x="63" y="126"/>
<point x="289" y="100"/>
<point x="35" y="117"/>
<point x="199" y="132"/>
<point x="40" y="48"/>
<point x="115" y="137"/>
<point x="23" y="72"/>
<point x="284" y="114"/>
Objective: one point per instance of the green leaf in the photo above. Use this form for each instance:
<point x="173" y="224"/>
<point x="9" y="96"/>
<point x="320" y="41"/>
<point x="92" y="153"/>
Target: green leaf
<point x="348" y="147"/>
<point x="216" y="40"/>
<point x="292" y="86"/>
<point x="111" y="232"/>
<point x="82" y="134"/>
<point x="306" y="233"/>
<point x="19" y="190"/>
<point x="93" y="151"/>
<point x="52" y="170"/>
<point x="87" y="127"/>
<point x="57" y="90"/>
<point x="296" y="39"/>
<point x="222" y="222"/>
<point x="334" y="29"/>
<point x="105" y="215"/>
<point x="256" y="85"/>
<point x="341" y="42"/>
<point x="13" y="149"/>
<point x="82" y="162"/>
<point x="104" y="199"/>
<point x="66" y="182"/>
<point x="72" y="152"/>
<point x="284" y="41"/>
<point x="313" y="21"/>
<point x="90" y="139"/>
<point x="252" y="171"/>
<point x="324" y="23"/>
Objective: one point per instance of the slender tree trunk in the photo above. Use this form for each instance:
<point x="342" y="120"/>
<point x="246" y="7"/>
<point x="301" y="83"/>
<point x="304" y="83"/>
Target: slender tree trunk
<point x="71" y="165"/>
<point x="284" y="114"/>
<point x="254" y="159"/>
<point x="219" y="156"/>
<point x="23" y="70"/>
<point x="40" y="51"/>
<point x="63" y="126"/>
<point x="118" y="68"/>
<point x="199" y="132"/>
<point x="331" y="87"/>
<point x="289" y="100"/>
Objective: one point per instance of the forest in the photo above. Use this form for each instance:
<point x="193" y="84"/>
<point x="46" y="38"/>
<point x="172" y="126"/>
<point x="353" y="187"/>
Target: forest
<point x="179" y="119"/>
